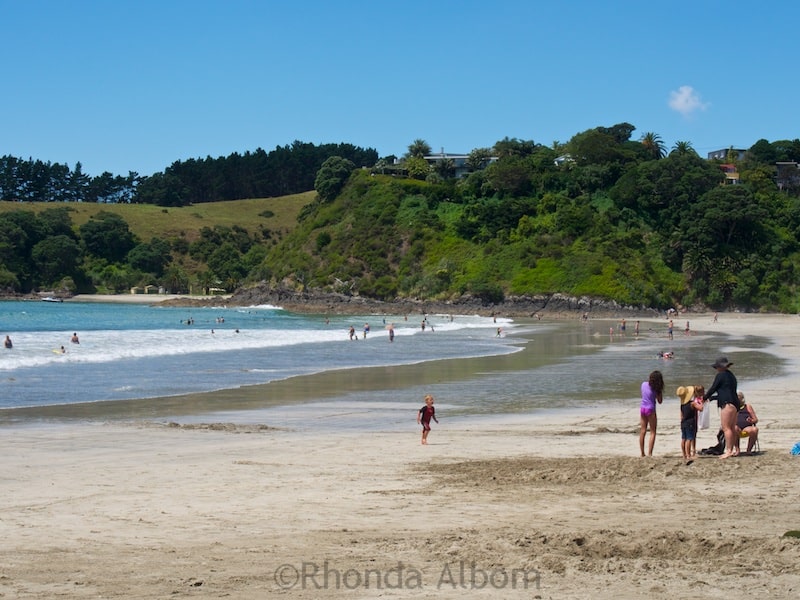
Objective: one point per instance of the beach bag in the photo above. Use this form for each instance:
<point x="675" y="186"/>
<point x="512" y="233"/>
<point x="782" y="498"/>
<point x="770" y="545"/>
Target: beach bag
<point x="704" y="417"/>
<point x="719" y="448"/>
<point x="796" y="449"/>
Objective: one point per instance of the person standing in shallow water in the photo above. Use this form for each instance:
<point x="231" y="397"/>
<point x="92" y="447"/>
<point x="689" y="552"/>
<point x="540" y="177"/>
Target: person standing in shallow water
<point x="652" y="393"/>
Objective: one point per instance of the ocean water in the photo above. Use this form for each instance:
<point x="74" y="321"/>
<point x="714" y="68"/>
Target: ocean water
<point x="133" y="358"/>
<point x="128" y="351"/>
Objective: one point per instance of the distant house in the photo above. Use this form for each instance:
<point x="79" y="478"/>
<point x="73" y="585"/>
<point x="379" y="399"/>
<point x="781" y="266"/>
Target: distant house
<point x="726" y="152"/>
<point x="731" y="174"/>
<point x="564" y="159"/>
<point x="788" y="175"/>
<point x="459" y="162"/>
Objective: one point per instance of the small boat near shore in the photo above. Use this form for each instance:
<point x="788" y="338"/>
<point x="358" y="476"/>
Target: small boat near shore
<point x="52" y="299"/>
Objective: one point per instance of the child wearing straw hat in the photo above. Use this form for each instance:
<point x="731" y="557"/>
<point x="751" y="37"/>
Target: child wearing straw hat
<point x="689" y="410"/>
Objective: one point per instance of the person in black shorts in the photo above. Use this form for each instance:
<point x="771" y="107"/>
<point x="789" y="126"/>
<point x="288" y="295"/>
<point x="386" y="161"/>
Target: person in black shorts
<point x="724" y="387"/>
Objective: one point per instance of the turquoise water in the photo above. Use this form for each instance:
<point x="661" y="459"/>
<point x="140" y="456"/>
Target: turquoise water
<point x="130" y="353"/>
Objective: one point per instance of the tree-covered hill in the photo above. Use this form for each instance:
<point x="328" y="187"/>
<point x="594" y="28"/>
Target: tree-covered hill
<point x="110" y="248"/>
<point x="285" y="170"/>
<point x="615" y="221"/>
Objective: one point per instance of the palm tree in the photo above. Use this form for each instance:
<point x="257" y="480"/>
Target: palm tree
<point x="681" y="148"/>
<point x="654" y="145"/>
<point x="446" y="168"/>
<point x="419" y="148"/>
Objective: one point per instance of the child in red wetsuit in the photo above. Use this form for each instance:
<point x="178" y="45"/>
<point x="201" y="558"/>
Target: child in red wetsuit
<point x="424" y="416"/>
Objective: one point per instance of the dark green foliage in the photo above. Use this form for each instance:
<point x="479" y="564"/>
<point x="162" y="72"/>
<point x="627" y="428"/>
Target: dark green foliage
<point x="107" y="236"/>
<point x="227" y="264"/>
<point x="285" y="170"/>
<point x="151" y="257"/>
<point x="29" y="180"/>
<point x="331" y="177"/>
<point x="323" y="239"/>
<point x="55" y="258"/>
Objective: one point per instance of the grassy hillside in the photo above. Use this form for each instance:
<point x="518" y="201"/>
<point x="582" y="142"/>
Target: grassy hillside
<point x="390" y="238"/>
<point x="147" y="221"/>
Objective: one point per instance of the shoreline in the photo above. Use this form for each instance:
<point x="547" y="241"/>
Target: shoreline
<point x="554" y="306"/>
<point x="304" y="388"/>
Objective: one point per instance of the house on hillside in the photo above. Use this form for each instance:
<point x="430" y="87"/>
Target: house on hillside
<point x="731" y="174"/>
<point x="725" y="153"/>
<point x="459" y="162"/>
<point x="788" y="175"/>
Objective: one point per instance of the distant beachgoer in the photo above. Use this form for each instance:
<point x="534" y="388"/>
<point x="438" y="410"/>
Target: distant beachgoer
<point x="424" y="416"/>
<point x="667" y="355"/>
<point x="74" y="339"/>
<point x="499" y="332"/>
<point x="423" y="325"/>
<point x="715" y="317"/>
<point x="669" y="329"/>
<point x="366" y="330"/>
<point x="391" y="332"/>
<point x="352" y="333"/>
<point x="686" y="331"/>
<point x="63" y="350"/>
<point x="636" y="329"/>
<point x="622" y="327"/>
<point x="8" y="343"/>
<point x="652" y="393"/>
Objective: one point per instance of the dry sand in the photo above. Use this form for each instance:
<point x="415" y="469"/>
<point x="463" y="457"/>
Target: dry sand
<point x="560" y="504"/>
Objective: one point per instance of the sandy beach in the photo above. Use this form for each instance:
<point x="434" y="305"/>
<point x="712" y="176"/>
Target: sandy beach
<point x="549" y="506"/>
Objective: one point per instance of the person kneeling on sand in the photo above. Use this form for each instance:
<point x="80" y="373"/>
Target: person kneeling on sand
<point x="746" y="420"/>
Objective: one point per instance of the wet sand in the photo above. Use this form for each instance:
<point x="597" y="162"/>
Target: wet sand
<point x="560" y="503"/>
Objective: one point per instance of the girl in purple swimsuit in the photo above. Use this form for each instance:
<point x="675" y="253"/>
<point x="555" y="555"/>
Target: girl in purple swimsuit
<point x="652" y="392"/>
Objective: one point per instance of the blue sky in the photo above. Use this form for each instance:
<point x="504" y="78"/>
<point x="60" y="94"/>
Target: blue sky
<point x="125" y="85"/>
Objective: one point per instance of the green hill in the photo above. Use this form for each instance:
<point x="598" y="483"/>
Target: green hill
<point x="147" y="221"/>
<point x="699" y="244"/>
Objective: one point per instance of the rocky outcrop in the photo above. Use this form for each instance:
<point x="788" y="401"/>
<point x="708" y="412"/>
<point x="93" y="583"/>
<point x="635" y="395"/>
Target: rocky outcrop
<point x="513" y="306"/>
